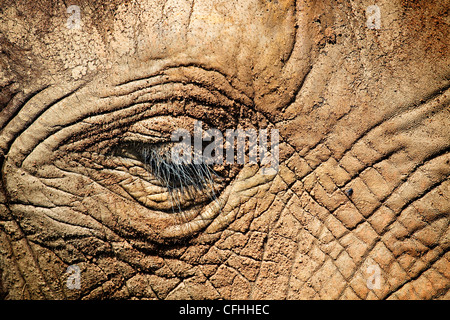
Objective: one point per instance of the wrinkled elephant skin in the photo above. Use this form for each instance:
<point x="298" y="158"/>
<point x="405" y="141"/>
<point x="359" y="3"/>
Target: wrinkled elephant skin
<point x="358" y="209"/>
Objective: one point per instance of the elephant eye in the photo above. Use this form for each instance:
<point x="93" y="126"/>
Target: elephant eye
<point x="193" y="181"/>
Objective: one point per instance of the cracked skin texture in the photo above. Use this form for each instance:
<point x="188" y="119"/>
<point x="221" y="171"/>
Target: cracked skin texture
<point x="359" y="109"/>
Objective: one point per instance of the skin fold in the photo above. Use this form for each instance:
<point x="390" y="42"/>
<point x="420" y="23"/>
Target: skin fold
<point x="362" y="187"/>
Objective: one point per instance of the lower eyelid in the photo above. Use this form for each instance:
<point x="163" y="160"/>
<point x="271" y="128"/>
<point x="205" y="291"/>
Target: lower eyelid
<point x="141" y="184"/>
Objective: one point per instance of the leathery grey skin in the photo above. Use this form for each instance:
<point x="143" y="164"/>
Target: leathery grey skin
<point x="359" y="106"/>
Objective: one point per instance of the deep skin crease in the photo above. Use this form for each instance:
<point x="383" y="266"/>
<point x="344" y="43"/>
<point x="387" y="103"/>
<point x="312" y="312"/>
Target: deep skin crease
<point x="86" y="115"/>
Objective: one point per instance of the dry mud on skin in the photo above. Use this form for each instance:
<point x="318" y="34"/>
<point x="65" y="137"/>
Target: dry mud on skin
<point x="359" y="208"/>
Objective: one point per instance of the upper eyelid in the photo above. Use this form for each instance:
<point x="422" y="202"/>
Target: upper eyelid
<point x="156" y="129"/>
<point x="205" y="78"/>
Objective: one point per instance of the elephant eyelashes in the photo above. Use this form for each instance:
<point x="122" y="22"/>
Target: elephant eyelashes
<point x="182" y="180"/>
<point x="173" y="175"/>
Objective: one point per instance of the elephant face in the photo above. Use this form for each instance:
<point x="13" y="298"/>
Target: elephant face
<point x="92" y="94"/>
